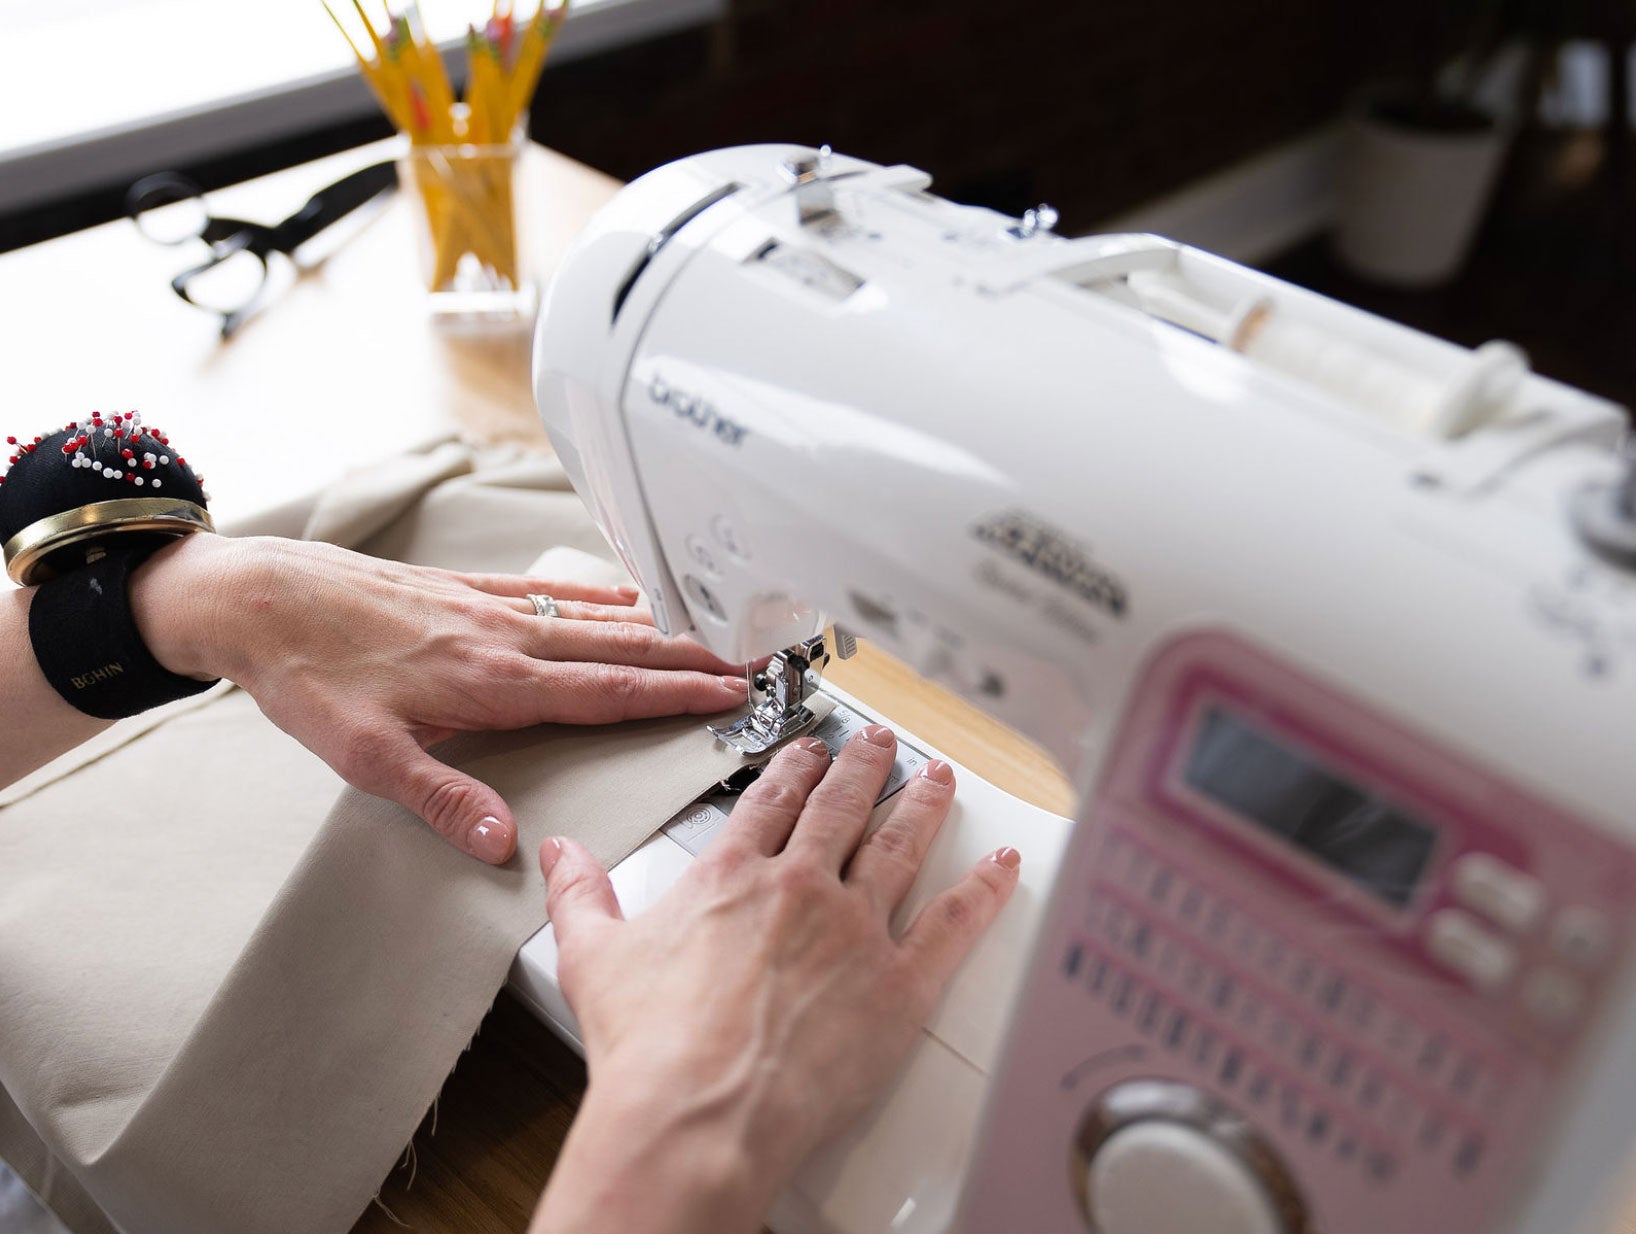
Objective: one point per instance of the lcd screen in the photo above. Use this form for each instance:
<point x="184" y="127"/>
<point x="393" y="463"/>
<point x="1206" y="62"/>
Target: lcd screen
<point x="1259" y="777"/>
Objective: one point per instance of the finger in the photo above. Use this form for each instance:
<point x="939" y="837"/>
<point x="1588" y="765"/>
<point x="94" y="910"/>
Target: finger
<point x="577" y="890"/>
<point x="890" y="856"/>
<point x="765" y="815"/>
<point x="839" y="808"/>
<point x="581" y="693"/>
<point x="620" y="642"/>
<point x="522" y="587"/>
<point x="579" y="610"/>
<point x="944" y="932"/>
<point x="464" y="811"/>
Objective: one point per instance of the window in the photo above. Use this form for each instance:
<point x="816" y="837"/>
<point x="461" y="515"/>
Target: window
<point x="93" y="91"/>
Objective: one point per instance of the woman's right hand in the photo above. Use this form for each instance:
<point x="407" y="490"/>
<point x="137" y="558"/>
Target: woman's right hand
<point x="763" y="1002"/>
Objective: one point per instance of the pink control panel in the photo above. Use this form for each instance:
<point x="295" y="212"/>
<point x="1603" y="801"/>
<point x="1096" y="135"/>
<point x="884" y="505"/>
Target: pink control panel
<point x="1378" y="957"/>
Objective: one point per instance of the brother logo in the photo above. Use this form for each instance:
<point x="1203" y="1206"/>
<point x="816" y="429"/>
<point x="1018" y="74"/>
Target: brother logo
<point x="699" y="411"/>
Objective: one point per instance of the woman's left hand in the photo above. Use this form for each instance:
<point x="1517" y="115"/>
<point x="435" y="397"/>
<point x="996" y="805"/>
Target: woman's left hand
<point x="367" y="662"/>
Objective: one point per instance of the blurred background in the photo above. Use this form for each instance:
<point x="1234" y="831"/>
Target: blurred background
<point x="1461" y="165"/>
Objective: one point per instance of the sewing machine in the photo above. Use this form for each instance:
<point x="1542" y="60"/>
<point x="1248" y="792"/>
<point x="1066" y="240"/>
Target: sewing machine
<point x="1333" y="625"/>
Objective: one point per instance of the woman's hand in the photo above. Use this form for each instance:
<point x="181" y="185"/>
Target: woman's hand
<point x="763" y="1002"/>
<point x="367" y="662"/>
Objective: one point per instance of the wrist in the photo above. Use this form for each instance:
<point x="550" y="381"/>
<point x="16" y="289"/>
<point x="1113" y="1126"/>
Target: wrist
<point x="179" y="601"/>
<point x="656" y="1160"/>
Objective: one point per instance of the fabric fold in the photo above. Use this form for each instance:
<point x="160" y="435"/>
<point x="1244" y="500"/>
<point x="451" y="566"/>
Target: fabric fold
<point x="229" y="985"/>
<point x="369" y="973"/>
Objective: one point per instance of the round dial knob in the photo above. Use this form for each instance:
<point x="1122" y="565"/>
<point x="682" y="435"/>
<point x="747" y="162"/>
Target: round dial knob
<point x="1160" y="1157"/>
<point x="1170" y="1178"/>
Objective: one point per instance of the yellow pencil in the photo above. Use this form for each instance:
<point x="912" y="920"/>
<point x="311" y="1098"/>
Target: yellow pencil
<point x="542" y="32"/>
<point x="467" y="198"/>
<point x="433" y="75"/>
<point x="370" y="71"/>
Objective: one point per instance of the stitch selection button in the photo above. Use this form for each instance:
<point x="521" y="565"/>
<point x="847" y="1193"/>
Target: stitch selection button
<point x="1458" y="940"/>
<point x="703" y="597"/>
<point x="1500" y="892"/>
<point x="727" y="536"/>
<point x="1580" y="935"/>
<point x="1552" y="996"/>
<point x="700" y="552"/>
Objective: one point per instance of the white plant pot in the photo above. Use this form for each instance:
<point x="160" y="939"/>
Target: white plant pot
<point x="1411" y="200"/>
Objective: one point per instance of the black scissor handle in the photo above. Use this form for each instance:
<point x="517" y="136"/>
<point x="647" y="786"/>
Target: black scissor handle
<point x="166" y="188"/>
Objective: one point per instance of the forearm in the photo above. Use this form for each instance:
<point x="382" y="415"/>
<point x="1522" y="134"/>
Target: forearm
<point x="641" y="1164"/>
<point x="173" y="597"/>
<point x="39" y="725"/>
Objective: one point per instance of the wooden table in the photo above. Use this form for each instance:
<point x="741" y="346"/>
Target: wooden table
<point x="341" y="369"/>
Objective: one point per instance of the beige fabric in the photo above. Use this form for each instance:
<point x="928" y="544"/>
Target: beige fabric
<point x="46" y="1175"/>
<point x="111" y="738"/>
<point x="229" y="987"/>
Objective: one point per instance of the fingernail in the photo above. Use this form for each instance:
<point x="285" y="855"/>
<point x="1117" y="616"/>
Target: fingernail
<point x="738" y="684"/>
<point x="938" y="772"/>
<point x="1008" y="858"/>
<point x="490" y="840"/>
<point x="550" y="853"/>
<point x="878" y="735"/>
<point x="812" y="745"/>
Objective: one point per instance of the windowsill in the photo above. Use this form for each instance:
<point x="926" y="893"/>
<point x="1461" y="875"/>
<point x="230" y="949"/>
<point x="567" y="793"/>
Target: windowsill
<point x="150" y="90"/>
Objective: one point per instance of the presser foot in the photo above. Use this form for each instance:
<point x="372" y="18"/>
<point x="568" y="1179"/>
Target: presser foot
<point x="791" y="676"/>
<point x="756" y="733"/>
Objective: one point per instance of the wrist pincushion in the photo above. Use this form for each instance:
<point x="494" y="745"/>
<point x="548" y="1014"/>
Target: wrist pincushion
<point x="104" y="479"/>
<point x="80" y="510"/>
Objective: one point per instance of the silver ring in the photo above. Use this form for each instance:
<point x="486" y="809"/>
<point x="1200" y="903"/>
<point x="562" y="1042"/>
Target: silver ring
<point x="544" y="606"/>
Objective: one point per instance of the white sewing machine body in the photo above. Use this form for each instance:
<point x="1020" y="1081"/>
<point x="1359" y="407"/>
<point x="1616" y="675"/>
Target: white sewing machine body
<point x="1342" y="939"/>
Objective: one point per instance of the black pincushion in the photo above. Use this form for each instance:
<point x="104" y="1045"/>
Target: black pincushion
<point x="97" y="467"/>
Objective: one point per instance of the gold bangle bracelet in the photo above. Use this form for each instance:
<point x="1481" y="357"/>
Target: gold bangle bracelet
<point x="27" y="552"/>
